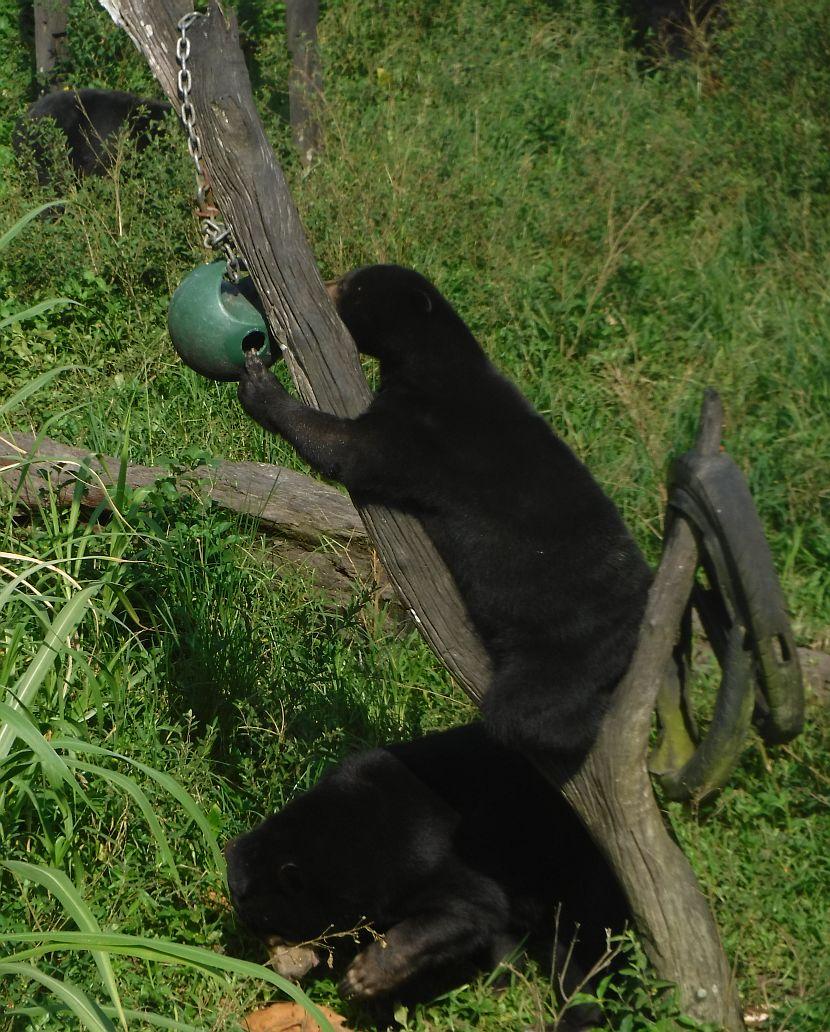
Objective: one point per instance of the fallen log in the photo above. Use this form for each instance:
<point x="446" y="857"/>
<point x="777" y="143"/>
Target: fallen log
<point x="287" y="502"/>
<point x="312" y="525"/>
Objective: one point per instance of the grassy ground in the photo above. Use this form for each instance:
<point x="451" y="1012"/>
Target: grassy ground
<point x="620" y="233"/>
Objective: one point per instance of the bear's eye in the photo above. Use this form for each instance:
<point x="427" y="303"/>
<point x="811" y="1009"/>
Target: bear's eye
<point x="291" y="878"/>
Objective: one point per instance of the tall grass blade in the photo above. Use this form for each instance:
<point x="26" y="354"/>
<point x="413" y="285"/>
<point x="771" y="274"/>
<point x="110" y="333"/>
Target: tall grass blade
<point x="121" y="483"/>
<point x="182" y="797"/>
<point x="28" y="389"/>
<point x="156" y="1019"/>
<point x="23" y="222"/>
<point x="60" y="886"/>
<point x="161" y="951"/>
<point x="12" y="588"/>
<point x="20" y="726"/>
<point x="144" y="1017"/>
<point x="35" y="310"/>
<point x="88" y="1013"/>
<point x="27" y="685"/>
<point x="135" y="792"/>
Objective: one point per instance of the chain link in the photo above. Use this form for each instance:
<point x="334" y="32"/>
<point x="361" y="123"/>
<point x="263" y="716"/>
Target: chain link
<point x="215" y="234"/>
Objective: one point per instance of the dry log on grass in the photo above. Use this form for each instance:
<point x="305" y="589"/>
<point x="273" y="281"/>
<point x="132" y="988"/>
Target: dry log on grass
<point x="611" y="792"/>
<point x="288" y="503"/>
<point x="312" y="526"/>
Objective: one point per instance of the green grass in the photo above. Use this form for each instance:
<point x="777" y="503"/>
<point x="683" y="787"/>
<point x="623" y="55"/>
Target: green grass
<point x="619" y="232"/>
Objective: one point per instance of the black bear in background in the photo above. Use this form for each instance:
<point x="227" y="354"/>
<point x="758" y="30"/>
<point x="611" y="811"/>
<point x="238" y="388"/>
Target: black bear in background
<point x="553" y="581"/>
<point x="671" y="24"/>
<point x="90" y="120"/>
<point x="451" y="846"/>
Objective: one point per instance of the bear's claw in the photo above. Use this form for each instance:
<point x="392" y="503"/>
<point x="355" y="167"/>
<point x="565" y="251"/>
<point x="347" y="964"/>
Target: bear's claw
<point x="375" y="971"/>
<point x="257" y="388"/>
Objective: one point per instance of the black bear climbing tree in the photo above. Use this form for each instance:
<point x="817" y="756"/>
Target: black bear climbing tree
<point x="611" y="792"/>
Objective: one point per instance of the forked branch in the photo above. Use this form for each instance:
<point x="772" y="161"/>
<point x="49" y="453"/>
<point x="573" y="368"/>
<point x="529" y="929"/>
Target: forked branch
<point x="611" y="792"/>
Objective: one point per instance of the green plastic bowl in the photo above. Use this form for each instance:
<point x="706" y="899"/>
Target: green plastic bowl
<point x="213" y="322"/>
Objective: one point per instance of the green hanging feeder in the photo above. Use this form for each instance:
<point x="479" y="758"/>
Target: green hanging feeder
<point x="213" y="322"/>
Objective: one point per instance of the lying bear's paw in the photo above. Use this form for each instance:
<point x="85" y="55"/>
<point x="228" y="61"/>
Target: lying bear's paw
<point x="378" y="970"/>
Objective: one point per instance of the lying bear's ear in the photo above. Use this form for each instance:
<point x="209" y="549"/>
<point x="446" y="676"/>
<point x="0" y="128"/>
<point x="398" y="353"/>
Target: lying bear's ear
<point x="423" y="302"/>
<point x="291" y="878"/>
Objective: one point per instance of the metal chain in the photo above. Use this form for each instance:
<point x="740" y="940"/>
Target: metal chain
<point x="215" y="234"/>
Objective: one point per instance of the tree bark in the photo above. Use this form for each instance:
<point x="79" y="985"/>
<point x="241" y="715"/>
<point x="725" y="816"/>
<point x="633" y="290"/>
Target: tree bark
<point x="611" y="792"/>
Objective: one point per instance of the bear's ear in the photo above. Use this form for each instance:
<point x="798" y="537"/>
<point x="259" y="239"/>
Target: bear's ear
<point x="291" y="878"/>
<point x="423" y="302"/>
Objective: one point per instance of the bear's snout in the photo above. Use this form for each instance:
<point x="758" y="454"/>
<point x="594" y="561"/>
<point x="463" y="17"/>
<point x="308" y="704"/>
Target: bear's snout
<point x="239" y="871"/>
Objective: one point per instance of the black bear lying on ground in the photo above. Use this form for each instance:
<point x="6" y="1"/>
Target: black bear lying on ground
<point x="91" y="121"/>
<point x="553" y="581"/>
<point x="452" y="846"/>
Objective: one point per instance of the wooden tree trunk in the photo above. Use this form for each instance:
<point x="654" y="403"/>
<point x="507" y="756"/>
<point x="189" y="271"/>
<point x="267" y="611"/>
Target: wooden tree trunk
<point x="50" y="34"/>
<point x="611" y="792"/>
<point x="305" y="84"/>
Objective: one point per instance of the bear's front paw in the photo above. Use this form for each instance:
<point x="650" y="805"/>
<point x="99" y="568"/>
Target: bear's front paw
<point x="377" y="970"/>
<point x="257" y="387"/>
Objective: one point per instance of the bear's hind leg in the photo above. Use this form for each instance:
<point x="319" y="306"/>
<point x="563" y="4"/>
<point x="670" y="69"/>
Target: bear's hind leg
<point x="531" y="706"/>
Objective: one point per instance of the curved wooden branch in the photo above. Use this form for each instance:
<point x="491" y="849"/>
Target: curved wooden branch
<point x="611" y="791"/>
<point x="291" y="504"/>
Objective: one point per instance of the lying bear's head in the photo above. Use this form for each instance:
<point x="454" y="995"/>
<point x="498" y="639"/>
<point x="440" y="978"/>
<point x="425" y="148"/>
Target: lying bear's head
<point x="340" y="855"/>
<point x="281" y="875"/>
<point x="394" y="313"/>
